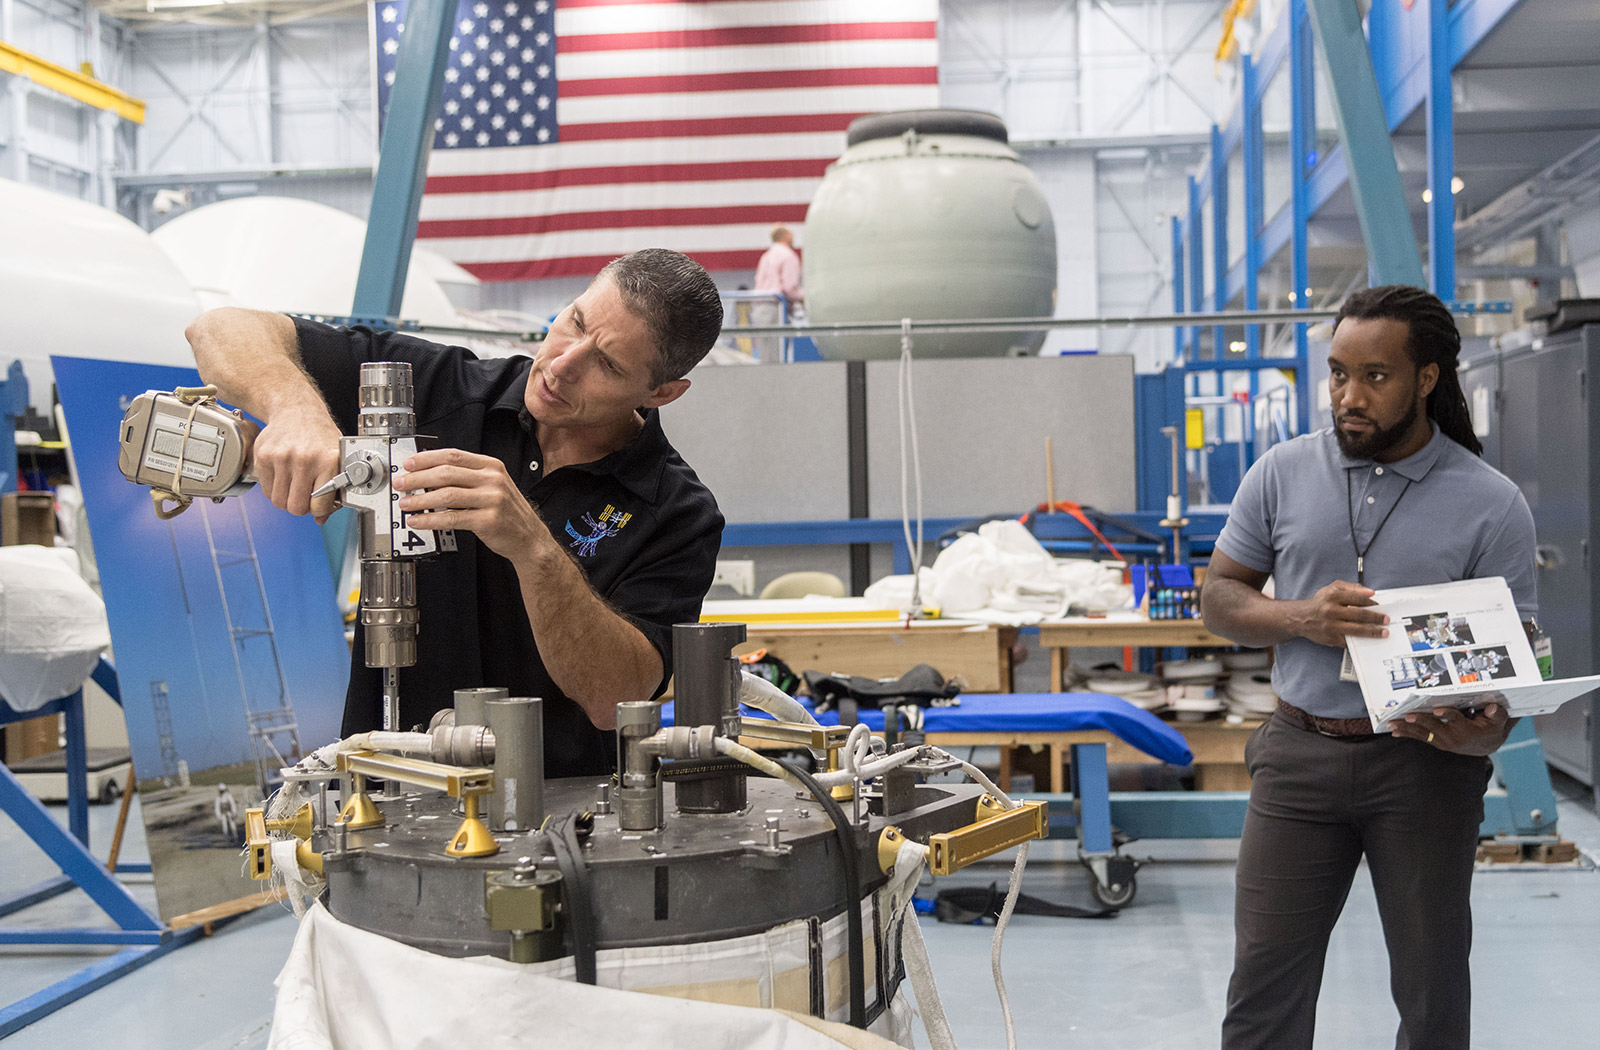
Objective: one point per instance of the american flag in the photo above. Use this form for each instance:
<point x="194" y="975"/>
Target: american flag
<point x="573" y="132"/>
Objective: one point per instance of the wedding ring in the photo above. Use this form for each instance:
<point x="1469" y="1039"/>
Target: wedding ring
<point x="1430" y="738"/>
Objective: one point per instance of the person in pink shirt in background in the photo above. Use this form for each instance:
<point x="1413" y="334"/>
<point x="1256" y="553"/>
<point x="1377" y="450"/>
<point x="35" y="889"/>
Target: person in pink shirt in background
<point x="779" y="268"/>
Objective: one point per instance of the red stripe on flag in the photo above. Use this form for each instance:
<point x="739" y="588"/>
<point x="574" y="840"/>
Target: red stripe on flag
<point x="765" y="79"/>
<point x="589" y="265"/>
<point x="743" y="36"/>
<point x="671" y="129"/>
<point x="562" y="222"/>
<point x="723" y="171"/>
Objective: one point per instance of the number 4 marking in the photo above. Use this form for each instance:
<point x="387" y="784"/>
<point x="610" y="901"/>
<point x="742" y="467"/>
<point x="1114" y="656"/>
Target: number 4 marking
<point x="414" y="540"/>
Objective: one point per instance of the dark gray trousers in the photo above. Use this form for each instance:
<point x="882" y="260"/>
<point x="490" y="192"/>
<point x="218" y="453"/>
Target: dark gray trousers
<point x="1317" y="805"/>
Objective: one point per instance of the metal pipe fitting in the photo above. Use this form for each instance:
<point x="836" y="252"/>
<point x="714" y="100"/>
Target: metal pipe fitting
<point x="682" y="744"/>
<point x="638" y="799"/>
<point x="518" y="727"/>
<point x="706" y="684"/>
<point x="469" y="704"/>
<point x="462" y="745"/>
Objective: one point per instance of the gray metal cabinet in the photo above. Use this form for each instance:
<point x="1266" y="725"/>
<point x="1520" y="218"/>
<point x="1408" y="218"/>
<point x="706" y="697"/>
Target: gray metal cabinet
<point x="1549" y="444"/>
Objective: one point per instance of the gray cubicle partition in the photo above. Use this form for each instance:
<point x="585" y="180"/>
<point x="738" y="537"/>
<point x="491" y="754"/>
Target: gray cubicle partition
<point x="982" y="424"/>
<point x="774" y="442"/>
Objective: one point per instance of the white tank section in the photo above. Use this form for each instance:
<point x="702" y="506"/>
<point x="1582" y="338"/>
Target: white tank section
<point x="929" y="214"/>
<point x="295" y="256"/>
<point x="80" y="280"/>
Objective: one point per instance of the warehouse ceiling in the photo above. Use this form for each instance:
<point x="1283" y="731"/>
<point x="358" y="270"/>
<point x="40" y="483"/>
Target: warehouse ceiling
<point x="213" y="12"/>
<point x="1527" y="132"/>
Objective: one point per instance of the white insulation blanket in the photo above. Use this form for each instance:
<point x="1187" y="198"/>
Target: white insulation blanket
<point x="52" y="626"/>
<point x="346" y="989"/>
<point x="1002" y="574"/>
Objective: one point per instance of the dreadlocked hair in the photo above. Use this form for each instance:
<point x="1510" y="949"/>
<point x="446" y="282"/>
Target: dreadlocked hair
<point x="1432" y="339"/>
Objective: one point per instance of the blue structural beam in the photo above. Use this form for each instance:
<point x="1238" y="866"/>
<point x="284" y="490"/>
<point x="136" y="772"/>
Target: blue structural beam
<point x="47" y="1001"/>
<point x="1163" y="814"/>
<point x="13" y="402"/>
<point x="1219" y="238"/>
<point x="1252" y="150"/>
<point x="1177" y="285"/>
<point x="1090" y="787"/>
<point x="1441" y="155"/>
<point x="403" y="157"/>
<point x="1197" y="261"/>
<point x="1392" y="255"/>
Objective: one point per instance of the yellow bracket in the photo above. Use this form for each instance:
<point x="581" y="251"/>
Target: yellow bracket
<point x="259" y="843"/>
<point x="360" y="812"/>
<point x="472" y="838"/>
<point x="989" y="834"/>
<point x="74" y="85"/>
<point x="298" y="825"/>
<point x="889" y="840"/>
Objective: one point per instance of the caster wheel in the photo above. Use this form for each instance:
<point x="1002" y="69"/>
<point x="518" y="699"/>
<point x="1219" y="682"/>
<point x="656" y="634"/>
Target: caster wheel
<point x="1117" y="895"/>
<point x="109" y="792"/>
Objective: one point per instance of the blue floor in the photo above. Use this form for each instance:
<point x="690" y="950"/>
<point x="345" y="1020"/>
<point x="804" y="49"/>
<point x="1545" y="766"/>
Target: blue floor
<point x="1152" y="978"/>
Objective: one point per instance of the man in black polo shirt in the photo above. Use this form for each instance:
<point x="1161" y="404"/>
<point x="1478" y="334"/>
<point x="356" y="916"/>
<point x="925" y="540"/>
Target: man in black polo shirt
<point x="583" y="535"/>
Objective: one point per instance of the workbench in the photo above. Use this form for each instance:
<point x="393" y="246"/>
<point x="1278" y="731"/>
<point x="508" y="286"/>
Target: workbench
<point x="977" y="653"/>
<point x="1218" y="746"/>
<point x="1116" y="631"/>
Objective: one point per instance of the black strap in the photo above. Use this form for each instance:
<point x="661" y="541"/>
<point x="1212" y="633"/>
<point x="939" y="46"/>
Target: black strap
<point x="1349" y="506"/>
<point x="969" y="904"/>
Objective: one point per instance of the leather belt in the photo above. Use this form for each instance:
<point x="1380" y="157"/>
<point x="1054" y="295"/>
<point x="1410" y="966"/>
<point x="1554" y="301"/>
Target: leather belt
<point x="1326" y="726"/>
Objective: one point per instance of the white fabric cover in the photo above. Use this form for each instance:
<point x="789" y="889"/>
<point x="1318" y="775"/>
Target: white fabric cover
<point x="1002" y="574"/>
<point x="52" y="625"/>
<point x="346" y="989"/>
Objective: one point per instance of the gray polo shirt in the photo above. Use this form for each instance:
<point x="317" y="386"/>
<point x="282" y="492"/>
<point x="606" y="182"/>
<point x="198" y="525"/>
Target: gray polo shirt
<point x="1455" y="518"/>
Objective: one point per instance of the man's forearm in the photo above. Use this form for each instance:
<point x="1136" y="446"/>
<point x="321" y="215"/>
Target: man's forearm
<point x="253" y="359"/>
<point x="593" y="655"/>
<point x="1244" y="615"/>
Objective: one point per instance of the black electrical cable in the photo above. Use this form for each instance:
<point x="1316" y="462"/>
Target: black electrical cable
<point x="580" y="915"/>
<point x="851" y="866"/>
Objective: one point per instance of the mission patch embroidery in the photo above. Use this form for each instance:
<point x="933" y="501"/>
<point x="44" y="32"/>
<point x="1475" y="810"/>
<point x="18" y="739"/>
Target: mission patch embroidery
<point x="608" y="524"/>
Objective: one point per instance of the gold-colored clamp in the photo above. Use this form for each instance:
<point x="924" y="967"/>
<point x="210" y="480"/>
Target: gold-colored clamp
<point x="993" y="829"/>
<point x="259" y="842"/>
<point x="798" y="734"/>
<point x="889" y="840"/>
<point x="360" y="812"/>
<point x="472" y="838"/>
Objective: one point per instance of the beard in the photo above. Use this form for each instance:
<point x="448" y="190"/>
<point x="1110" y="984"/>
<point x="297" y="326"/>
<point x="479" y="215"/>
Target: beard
<point x="1380" y="440"/>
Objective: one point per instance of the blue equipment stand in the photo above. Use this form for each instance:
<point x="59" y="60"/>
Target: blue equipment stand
<point x="144" y="937"/>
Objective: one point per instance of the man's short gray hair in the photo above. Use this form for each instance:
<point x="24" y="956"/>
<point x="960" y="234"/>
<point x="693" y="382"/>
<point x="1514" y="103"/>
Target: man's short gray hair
<point x="678" y="302"/>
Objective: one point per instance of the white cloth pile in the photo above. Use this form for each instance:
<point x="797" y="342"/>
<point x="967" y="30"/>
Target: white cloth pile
<point x="1139" y="689"/>
<point x="1001" y="574"/>
<point x="1249" y="692"/>
<point x="52" y="625"/>
<point x="1192" y="688"/>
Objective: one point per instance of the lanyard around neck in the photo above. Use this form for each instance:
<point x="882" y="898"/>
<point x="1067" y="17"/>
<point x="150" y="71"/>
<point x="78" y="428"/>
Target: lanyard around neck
<point x="1349" y="506"/>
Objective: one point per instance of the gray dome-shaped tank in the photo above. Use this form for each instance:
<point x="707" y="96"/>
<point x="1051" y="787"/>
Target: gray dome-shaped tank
<point x="929" y="214"/>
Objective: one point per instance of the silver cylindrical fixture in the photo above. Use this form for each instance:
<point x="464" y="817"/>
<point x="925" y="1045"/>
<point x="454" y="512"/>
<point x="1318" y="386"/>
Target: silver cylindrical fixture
<point x="469" y="704"/>
<point x="518" y="726"/>
<point x="387" y="400"/>
<point x="638" y="798"/>
<point x="705" y="692"/>
<point x="389" y="612"/>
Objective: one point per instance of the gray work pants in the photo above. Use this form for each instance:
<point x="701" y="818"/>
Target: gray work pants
<point x="1317" y="804"/>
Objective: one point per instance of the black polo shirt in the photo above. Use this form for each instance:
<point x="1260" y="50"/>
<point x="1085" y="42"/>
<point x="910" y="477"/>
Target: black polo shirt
<point x="638" y="522"/>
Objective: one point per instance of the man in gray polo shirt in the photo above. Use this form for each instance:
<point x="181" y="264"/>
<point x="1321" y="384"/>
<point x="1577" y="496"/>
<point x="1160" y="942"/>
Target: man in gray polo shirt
<point x="1393" y="495"/>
